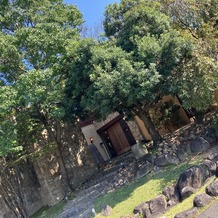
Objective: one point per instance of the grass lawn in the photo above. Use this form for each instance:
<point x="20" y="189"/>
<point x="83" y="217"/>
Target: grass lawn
<point x="126" y="198"/>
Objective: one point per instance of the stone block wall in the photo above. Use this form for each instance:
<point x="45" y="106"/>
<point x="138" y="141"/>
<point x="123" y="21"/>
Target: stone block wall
<point x="52" y="188"/>
<point x="135" y="130"/>
<point x="78" y="160"/>
<point x="42" y="181"/>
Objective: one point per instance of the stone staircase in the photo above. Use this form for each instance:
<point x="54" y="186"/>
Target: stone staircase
<point x="111" y="176"/>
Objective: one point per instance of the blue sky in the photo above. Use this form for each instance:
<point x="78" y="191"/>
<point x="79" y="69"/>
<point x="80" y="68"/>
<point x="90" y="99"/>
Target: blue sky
<point x="92" y="10"/>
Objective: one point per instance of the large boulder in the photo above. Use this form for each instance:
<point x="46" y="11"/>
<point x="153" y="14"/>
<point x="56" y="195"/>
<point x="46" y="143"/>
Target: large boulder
<point x="188" y="213"/>
<point x="172" y="195"/>
<point x="212" y="189"/>
<point x="152" y="208"/>
<point x="143" y="209"/>
<point x="187" y="191"/>
<point x="211" y="136"/>
<point x="183" y="151"/>
<point x="212" y="166"/>
<point x="165" y="160"/>
<point x="202" y="200"/>
<point x="145" y="165"/>
<point x="194" y="176"/>
<point x="139" y="150"/>
<point x="143" y="170"/>
<point x="199" y="145"/>
<point x="158" y="205"/>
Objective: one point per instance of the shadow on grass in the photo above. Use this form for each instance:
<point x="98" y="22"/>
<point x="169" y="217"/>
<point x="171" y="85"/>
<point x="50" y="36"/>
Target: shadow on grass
<point x="141" y="190"/>
<point x="50" y="212"/>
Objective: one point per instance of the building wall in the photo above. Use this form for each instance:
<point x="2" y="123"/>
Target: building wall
<point x="89" y="132"/>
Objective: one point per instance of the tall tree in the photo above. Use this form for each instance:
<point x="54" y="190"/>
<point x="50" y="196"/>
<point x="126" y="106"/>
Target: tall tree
<point x="197" y="20"/>
<point x="33" y="40"/>
<point x="134" y="69"/>
<point x="141" y="29"/>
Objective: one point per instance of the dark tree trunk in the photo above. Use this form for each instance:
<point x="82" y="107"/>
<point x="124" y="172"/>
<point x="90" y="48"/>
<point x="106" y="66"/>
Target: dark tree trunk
<point x="199" y="116"/>
<point x="10" y="195"/>
<point x="145" y="117"/>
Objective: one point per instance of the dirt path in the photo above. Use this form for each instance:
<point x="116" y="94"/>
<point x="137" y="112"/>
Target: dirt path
<point x="211" y="212"/>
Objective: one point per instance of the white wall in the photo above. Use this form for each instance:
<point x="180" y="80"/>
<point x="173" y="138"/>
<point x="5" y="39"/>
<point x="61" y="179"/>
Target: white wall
<point x="90" y="132"/>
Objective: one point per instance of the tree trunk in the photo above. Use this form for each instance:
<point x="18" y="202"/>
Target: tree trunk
<point x="9" y="193"/>
<point x="145" y="117"/>
<point x="199" y="116"/>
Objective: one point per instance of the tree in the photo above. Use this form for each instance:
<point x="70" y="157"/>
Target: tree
<point x="197" y="21"/>
<point x="33" y="40"/>
<point x="138" y="65"/>
<point x="109" y="76"/>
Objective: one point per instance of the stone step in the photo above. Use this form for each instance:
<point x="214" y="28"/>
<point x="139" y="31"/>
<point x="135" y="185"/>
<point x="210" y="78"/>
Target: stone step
<point x="82" y="200"/>
<point x="81" y="207"/>
<point x="75" y="211"/>
<point x="85" y="214"/>
<point x="97" y="183"/>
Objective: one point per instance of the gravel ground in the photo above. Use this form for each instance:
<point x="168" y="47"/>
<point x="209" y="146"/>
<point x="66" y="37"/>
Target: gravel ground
<point x="211" y="212"/>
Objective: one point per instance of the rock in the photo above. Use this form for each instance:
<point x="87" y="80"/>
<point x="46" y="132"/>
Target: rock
<point x="202" y="200"/>
<point x="188" y="213"/>
<point x="187" y="192"/>
<point x="157" y="205"/>
<point x="172" y="195"/>
<point x="212" y="189"/>
<point x="165" y="160"/>
<point x="199" y="145"/>
<point x="210" y="136"/>
<point x="183" y="151"/>
<point x="211" y="166"/>
<point x="194" y="176"/>
<point x="142" y="209"/>
<point x="152" y="208"/>
<point x="143" y="170"/>
<point x="139" y="150"/>
<point x="148" y="158"/>
<point x="106" y="211"/>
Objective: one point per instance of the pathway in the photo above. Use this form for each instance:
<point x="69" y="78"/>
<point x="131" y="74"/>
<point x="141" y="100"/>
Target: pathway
<point x="112" y="175"/>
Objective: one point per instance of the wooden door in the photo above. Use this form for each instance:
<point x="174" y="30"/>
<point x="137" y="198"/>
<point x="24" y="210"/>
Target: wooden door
<point x="118" y="138"/>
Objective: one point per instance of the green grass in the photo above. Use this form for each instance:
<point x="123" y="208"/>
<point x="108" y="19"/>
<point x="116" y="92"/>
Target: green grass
<point x="126" y="198"/>
<point x="50" y="212"/>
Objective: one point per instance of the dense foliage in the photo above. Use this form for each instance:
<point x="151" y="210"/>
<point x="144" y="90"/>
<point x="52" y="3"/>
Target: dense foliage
<point x="33" y="40"/>
<point x="49" y="72"/>
<point x="135" y="67"/>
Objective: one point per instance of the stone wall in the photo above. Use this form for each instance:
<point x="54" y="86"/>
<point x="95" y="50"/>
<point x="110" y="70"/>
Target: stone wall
<point x="42" y="180"/>
<point x="23" y="187"/>
<point x="78" y="159"/>
<point x="134" y="128"/>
